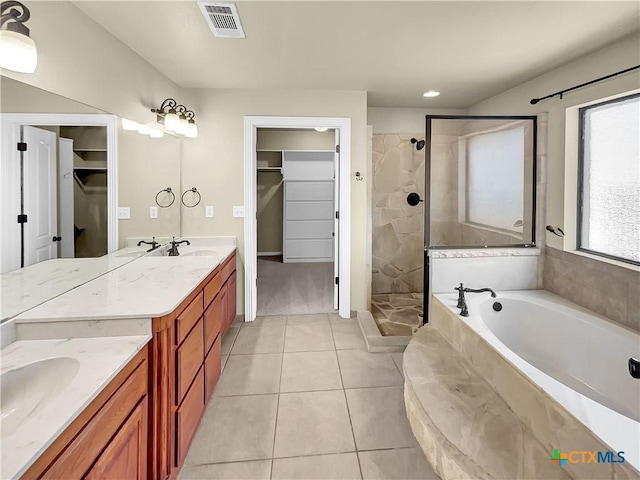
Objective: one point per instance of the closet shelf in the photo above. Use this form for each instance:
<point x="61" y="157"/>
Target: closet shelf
<point x="270" y="169"/>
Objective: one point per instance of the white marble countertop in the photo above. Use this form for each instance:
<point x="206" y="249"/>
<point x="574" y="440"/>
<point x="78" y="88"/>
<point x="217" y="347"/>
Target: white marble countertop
<point x="27" y="287"/>
<point x="98" y="361"/>
<point x="149" y="287"/>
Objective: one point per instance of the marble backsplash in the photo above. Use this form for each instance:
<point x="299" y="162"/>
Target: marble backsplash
<point x="607" y="289"/>
<point x="398" y="232"/>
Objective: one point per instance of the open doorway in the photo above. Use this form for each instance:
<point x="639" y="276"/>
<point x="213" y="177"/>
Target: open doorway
<point x="59" y="180"/>
<point x="296" y="205"/>
<point x="340" y="255"/>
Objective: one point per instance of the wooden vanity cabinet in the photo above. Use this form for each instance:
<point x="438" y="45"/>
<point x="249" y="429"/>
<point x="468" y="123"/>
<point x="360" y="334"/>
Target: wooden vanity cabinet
<point x="185" y="367"/>
<point x="109" y="438"/>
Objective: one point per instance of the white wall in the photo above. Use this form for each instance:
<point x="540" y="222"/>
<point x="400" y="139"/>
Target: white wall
<point x="404" y="120"/>
<point x="214" y="162"/>
<point x="618" y="56"/>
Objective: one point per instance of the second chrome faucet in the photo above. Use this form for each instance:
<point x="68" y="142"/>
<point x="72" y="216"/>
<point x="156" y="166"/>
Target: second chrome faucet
<point x="462" y="301"/>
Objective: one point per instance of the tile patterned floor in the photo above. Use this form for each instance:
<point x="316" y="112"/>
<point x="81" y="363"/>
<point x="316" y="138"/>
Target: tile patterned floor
<point x="301" y="398"/>
<point x="397" y="313"/>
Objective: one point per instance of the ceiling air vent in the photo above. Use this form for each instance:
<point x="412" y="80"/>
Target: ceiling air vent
<point x="223" y="19"/>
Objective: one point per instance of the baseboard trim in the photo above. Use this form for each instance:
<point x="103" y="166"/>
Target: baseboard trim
<point x="269" y="254"/>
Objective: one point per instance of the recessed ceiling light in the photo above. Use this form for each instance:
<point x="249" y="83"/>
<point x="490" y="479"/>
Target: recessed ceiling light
<point x="431" y="93"/>
<point x="321" y="129"/>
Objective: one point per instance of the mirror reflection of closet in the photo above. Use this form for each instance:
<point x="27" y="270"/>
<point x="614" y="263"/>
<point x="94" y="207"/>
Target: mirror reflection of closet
<point x="85" y="220"/>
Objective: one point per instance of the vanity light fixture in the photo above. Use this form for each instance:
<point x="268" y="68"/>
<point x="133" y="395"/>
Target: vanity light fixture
<point x="17" y="50"/>
<point x="176" y="118"/>
<point x="430" y="94"/>
<point x="130" y="125"/>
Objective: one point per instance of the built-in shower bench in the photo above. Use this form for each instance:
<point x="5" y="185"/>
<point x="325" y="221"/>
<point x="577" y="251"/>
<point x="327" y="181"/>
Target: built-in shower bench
<point x="463" y="426"/>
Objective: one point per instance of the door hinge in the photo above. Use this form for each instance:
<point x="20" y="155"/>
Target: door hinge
<point x="337" y="215"/>
<point x="22" y="218"/>
<point x="22" y="146"/>
<point x="337" y="148"/>
<point x="337" y="280"/>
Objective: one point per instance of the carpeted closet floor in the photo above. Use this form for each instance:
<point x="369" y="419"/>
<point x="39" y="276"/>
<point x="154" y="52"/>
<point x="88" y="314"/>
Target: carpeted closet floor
<point x="294" y="288"/>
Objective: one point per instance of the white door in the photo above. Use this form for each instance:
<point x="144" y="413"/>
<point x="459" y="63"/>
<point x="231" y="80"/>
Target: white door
<point x="65" y="187"/>
<point x="40" y="202"/>
<point x="336" y="222"/>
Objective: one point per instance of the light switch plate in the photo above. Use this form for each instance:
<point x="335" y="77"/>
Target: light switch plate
<point x="124" y="213"/>
<point x="238" y="212"/>
<point x="209" y="211"/>
<point x="153" y="212"/>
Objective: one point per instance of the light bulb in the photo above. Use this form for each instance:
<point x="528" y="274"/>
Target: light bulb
<point x="430" y="94"/>
<point x="192" y="130"/>
<point x="130" y="125"/>
<point x="144" y="130"/>
<point x="17" y="52"/>
<point x="155" y="133"/>
<point x="171" y="121"/>
<point x="321" y="129"/>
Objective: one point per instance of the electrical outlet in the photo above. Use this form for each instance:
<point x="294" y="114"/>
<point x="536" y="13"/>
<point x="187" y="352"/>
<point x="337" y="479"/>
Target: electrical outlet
<point x="209" y="211"/>
<point x="124" y="213"/>
<point x="238" y="212"/>
<point x="153" y="212"/>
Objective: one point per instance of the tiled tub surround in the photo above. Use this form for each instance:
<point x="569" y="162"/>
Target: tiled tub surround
<point x="605" y="288"/>
<point x="398" y="228"/>
<point x="94" y="363"/>
<point x="557" y="416"/>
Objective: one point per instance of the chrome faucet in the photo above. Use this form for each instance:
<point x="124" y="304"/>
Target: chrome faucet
<point x="153" y="244"/>
<point x="462" y="302"/>
<point x="173" y="250"/>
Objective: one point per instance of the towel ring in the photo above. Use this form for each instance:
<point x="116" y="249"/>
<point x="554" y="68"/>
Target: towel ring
<point x="195" y="191"/>
<point x="173" y="197"/>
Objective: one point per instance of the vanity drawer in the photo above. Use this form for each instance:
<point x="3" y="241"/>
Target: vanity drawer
<point x="212" y="368"/>
<point x="188" y="417"/>
<point x="212" y="288"/>
<point x="214" y="319"/>
<point x="189" y="357"/>
<point x="228" y="267"/>
<point x="188" y="318"/>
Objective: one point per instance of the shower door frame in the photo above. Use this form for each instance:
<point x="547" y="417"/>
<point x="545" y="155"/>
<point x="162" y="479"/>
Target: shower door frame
<point x="427" y="197"/>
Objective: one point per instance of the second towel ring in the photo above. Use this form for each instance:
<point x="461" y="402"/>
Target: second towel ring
<point x="169" y="191"/>
<point x="195" y="191"/>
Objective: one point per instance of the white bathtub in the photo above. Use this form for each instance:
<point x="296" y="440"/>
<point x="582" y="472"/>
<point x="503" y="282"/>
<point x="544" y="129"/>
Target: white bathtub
<point x="576" y="357"/>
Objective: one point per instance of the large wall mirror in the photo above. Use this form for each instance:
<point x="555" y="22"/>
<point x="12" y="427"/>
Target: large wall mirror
<point x="481" y="188"/>
<point x="60" y="198"/>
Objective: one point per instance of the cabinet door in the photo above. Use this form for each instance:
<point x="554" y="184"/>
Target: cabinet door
<point x="215" y="319"/>
<point x="125" y="456"/>
<point x="231" y="299"/>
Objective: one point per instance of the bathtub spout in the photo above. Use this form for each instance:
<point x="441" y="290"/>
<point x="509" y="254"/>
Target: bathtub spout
<point x="462" y="302"/>
<point x="480" y="290"/>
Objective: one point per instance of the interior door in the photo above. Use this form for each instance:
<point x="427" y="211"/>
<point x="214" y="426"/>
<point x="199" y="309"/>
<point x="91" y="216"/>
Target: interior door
<point x="65" y="179"/>
<point x="40" y="195"/>
<point x="336" y="222"/>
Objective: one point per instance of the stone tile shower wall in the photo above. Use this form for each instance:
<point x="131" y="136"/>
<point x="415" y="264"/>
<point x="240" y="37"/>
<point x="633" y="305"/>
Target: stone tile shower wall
<point x="398" y="228"/>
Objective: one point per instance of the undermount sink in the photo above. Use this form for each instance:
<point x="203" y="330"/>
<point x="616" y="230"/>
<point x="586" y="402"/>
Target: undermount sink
<point x="200" y="253"/>
<point x="28" y="389"/>
<point x="138" y="253"/>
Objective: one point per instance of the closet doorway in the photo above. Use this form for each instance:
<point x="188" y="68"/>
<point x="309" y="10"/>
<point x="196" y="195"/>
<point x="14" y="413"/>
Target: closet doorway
<point x="297" y="219"/>
<point x="296" y="202"/>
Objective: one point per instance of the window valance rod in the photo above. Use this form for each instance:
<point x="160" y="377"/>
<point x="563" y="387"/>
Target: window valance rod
<point x="561" y="92"/>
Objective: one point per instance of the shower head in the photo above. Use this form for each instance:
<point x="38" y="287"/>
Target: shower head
<point x="419" y="143"/>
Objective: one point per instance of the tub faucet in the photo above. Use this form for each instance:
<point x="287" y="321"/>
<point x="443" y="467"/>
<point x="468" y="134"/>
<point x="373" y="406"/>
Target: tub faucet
<point x="173" y="250"/>
<point x="462" y="302"/>
<point x="153" y="244"/>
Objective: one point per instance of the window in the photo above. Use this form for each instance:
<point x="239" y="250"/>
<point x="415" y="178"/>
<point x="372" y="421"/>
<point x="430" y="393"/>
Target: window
<point x="495" y="179"/>
<point x="609" y="179"/>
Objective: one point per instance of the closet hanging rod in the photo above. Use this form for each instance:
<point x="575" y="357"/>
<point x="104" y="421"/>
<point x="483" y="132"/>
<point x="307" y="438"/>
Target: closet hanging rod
<point x="561" y="92"/>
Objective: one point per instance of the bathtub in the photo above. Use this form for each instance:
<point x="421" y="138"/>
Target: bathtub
<point x="573" y="355"/>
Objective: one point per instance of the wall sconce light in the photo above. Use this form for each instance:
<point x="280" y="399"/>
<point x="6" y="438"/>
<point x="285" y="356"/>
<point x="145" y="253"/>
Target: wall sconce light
<point x="132" y="126"/>
<point x="17" y="50"/>
<point x="176" y="118"/>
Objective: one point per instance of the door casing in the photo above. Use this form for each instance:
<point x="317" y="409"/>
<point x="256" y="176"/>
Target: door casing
<point x="343" y="128"/>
